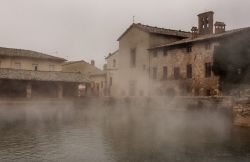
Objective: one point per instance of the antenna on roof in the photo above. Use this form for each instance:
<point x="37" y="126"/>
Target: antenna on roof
<point x="133" y="19"/>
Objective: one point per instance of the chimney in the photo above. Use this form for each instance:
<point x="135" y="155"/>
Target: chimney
<point x="206" y="21"/>
<point x="220" y="27"/>
<point x="93" y="62"/>
<point x="194" y="31"/>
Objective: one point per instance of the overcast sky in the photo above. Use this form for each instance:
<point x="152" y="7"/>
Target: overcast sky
<point x="88" y="29"/>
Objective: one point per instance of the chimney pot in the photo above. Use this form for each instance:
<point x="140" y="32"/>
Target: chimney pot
<point x="220" y="27"/>
<point x="93" y="62"/>
<point x="194" y="31"/>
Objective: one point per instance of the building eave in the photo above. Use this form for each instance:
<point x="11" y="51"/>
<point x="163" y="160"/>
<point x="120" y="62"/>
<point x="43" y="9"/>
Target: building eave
<point x="156" y="30"/>
<point x="112" y="54"/>
<point x="13" y="52"/>
<point x="48" y="76"/>
<point x="211" y="37"/>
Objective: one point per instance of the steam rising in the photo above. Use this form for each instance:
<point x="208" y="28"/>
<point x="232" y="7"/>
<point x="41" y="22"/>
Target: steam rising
<point x="232" y="62"/>
<point x="152" y="129"/>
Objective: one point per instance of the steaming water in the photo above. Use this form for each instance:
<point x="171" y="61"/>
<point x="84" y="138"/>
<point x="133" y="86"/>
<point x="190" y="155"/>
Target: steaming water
<point x="119" y="133"/>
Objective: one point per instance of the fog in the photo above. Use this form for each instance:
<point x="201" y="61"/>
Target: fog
<point x="159" y="128"/>
<point x="146" y="129"/>
<point x="88" y="29"/>
<point x="232" y="62"/>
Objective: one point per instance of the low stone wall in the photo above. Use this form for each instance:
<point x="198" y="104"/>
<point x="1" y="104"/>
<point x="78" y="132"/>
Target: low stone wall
<point x="241" y="112"/>
<point x="168" y="103"/>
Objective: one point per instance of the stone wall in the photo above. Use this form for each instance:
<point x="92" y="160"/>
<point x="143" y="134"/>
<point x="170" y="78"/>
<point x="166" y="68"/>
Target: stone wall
<point x="137" y="40"/>
<point x="136" y="78"/>
<point x="241" y="112"/>
<point x="111" y="70"/>
<point x="179" y="57"/>
<point x="29" y="63"/>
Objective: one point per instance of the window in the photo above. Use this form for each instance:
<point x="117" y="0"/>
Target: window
<point x="97" y="86"/>
<point x="155" y="53"/>
<point x="208" y="46"/>
<point x="208" y="70"/>
<point x="189" y="49"/>
<point x="196" y="91"/>
<point x="133" y="58"/>
<point x="141" y="92"/>
<point x="101" y="84"/>
<point x="155" y="73"/>
<point x="110" y="81"/>
<point x="165" y="52"/>
<point x="239" y="71"/>
<point x="176" y="73"/>
<point x="132" y="88"/>
<point x="35" y="67"/>
<point x="189" y="89"/>
<point x="51" y="67"/>
<point x="17" y="65"/>
<point x="165" y="73"/>
<point x="114" y="63"/>
<point x="208" y="92"/>
<point x="189" y="71"/>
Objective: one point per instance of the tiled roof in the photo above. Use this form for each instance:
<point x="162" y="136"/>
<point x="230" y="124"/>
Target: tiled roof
<point x="156" y="30"/>
<point x="11" y="52"/>
<point x="74" y="62"/>
<point x="204" y="38"/>
<point x="98" y="73"/>
<point x="111" y="54"/>
<point x="29" y="75"/>
<point x="94" y="71"/>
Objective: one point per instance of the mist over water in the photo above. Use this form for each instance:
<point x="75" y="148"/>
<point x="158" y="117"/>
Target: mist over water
<point x="121" y="131"/>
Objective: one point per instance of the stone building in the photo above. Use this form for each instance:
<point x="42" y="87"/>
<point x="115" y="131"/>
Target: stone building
<point x="29" y="60"/>
<point x="185" y="67"/>
<point x="96" y="75"/>
<point x="131" y="77"/>
<point x="111" y="68"/>
<point x="25" y="73"/>
<point x="157" y="61"/>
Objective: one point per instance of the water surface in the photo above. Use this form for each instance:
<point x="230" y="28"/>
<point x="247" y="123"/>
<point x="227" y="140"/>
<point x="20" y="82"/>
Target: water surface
<point x="118" y="133"/>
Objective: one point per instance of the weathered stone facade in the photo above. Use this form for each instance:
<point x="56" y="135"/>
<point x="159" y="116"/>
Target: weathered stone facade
<point x="29" y="60"/>
<point x="111" y="69"/>
<point x="241" y="113"/>
<point x="156" y="61"/>
<point x="25" y="73"/>
<point x="197" y="84"/>
<point x="132" y="75"/>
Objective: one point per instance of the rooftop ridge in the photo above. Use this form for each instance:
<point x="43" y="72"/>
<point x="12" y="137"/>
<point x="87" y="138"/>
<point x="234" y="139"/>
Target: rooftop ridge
<point x="161" y="28"/>
<point x="111" y="54"/>
<point x="74" y="62"/>
<point x="29" y="53"/>
<point x="38" y="71"/>
<point x="203" y="37"/>
<point x="158" y="30"/>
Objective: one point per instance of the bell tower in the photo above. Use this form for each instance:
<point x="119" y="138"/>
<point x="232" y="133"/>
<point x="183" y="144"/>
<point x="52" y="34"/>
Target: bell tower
<point x="206" y="23"/>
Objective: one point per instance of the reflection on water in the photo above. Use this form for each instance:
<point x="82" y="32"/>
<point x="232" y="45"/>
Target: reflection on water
<point x="119" y="133"/>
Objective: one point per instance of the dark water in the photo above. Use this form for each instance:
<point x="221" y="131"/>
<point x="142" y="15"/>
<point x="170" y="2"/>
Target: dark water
<point x="120" y="133"/>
